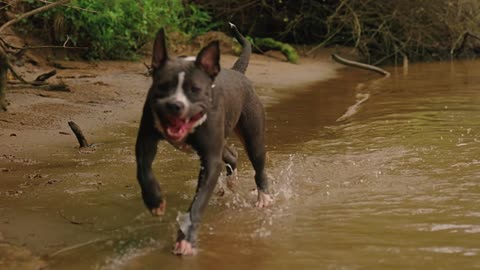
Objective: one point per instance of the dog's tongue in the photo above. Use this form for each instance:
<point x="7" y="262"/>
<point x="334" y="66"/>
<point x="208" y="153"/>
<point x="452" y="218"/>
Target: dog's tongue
<point x="178" y="128"/>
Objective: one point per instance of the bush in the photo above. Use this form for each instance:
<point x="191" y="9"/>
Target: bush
<point x="383" y="31"/>
<point x="386" y="31"/>
<point x="116" y="29"/>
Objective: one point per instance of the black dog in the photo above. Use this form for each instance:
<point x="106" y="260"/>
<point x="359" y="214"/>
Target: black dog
<point x="193" y="104"/>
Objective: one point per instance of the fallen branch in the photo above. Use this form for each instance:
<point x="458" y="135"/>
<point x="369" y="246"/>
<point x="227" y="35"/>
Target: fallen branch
<point x="60" y="87"/>
<point x="79" y="134"/>
<point x="38" y="83"/>
<point x="46" y="76"/>
<point x="356" y="64"/>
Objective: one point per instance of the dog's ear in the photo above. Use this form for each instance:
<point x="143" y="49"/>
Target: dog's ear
<point x="159" y="56"/>
<point x="208" y="59"/>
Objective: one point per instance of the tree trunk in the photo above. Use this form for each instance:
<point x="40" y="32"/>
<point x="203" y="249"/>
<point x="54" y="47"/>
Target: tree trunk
<point x="3" y="80"/>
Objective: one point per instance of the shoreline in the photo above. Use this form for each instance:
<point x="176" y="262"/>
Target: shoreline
<point x="109" y="93"/>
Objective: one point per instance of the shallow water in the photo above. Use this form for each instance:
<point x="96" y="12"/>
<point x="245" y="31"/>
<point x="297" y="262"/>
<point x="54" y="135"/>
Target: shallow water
<point x="394" y="185"/>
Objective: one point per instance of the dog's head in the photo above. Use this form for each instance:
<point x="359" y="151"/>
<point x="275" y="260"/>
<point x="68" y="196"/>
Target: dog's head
<point x="180" y="95"/>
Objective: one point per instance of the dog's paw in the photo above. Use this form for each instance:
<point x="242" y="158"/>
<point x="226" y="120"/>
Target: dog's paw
<point x="263" y="200"/>
<point x="160" y="210"/>
<point x="184" y="248"/>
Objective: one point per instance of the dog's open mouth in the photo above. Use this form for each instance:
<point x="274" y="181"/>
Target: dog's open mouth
<point x="178" y="128"/>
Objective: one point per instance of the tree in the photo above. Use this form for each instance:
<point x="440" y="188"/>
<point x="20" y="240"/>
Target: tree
<point x="4" y="52"/>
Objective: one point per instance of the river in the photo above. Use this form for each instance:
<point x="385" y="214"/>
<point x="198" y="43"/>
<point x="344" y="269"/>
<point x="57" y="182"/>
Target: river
<point x="366" y="173"/>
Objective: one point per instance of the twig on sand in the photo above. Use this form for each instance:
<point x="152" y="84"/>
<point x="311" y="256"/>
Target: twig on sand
<point x="79" y="134"/>
<point x="356" y="64"/>
<point x="71" y="221"/>
<point x="79" y="245"/>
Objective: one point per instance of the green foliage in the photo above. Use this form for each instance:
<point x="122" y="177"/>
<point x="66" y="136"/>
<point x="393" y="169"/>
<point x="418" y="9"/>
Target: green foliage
<point x="286" y="49"/>
<point x="198" y="21"/>
<point x="116" y="29"/>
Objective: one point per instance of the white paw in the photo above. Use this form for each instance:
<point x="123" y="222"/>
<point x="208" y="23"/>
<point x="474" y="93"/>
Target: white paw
<point x="263" y="200"/>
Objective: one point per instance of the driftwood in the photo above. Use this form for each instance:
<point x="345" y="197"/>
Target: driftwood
<point x="356" y="64"/>
<point x="59" y="87"/>
<point x="79" y="134"/>
<point x="46" y="76"/>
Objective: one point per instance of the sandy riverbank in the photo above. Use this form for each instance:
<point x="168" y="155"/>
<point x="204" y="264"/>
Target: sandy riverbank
<point x="108" y="93"/>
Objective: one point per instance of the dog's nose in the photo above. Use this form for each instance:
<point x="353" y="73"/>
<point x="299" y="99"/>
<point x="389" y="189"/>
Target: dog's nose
<point x="175" y="107"/>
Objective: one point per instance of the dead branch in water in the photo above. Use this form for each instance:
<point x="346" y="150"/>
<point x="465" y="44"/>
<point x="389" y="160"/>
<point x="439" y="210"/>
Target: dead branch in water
<point x="78" y="134"/>
<point x="356" y="64"/>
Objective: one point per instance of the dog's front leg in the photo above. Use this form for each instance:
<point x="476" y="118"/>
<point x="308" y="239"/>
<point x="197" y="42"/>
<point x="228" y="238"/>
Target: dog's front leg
<point x="211" y="167"/>
<point x="145" y="151"/>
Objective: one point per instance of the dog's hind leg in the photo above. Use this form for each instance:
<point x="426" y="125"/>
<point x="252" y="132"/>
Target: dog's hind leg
<point x="251" y="131"/>
<point x="230" y="158"/>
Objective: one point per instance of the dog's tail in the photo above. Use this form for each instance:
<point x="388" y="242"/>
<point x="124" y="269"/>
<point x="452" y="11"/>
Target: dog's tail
<point x="242" y="62"/>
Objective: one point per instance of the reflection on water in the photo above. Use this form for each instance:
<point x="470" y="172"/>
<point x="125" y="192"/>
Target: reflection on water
<point x="393" y="185"/>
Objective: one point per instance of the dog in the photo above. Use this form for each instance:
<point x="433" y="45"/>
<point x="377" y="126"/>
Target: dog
<point x="195" y="105"/>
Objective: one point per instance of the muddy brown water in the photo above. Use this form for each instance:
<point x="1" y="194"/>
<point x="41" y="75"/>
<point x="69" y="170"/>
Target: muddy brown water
<point x="394" y="185"/>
